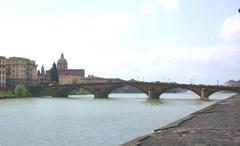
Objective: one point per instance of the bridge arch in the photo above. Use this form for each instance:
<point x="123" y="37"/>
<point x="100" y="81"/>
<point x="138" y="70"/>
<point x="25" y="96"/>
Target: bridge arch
<point x="126" y="89"/>
<point x="165" y="90"/>
<point x="211" y="93"/>
<point x="112" y="88"/>
<point x="39" y="91"/>
<point x="152" y="90"/>
<point x="81" y="91"/>
<point x="66" y="90"/>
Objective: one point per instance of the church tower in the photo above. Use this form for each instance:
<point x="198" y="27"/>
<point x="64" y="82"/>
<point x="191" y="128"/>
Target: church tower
<point x="62" y="63"/>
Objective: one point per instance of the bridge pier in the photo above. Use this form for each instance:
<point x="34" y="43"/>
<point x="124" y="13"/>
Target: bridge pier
<point x="152" y="94"/>
<point x="101" y="94"/>
<point x="204" y="94"/>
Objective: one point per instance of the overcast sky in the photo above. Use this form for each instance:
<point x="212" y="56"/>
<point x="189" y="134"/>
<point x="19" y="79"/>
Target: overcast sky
<point x="164" y="40"/>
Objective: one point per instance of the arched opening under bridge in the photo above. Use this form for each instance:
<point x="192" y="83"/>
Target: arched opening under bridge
<point x="179" y="93"/>
<point x="223" y="94"/>
<point x="80" y="92"/>
<point x="127" y="91"/>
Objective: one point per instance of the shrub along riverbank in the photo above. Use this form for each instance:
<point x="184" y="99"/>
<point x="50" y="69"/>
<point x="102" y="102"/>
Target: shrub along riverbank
<point x="19" y="91"/>
<point x="7" y="95"/>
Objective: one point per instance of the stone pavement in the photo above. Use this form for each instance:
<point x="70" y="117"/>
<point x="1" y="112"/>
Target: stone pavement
<point x="215" y="125"/>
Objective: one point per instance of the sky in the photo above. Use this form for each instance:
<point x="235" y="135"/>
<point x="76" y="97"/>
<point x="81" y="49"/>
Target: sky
<point x="179" y="41"/>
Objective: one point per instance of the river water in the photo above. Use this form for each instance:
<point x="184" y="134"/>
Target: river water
<point x="85" y="121"/>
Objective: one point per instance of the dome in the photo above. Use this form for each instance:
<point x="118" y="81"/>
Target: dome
<point x="62" y="63"/>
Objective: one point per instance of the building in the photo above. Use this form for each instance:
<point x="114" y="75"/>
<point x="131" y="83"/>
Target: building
<point x="20" y="71"/>
<point x="62" y="67"/>
<point x="2" y="71"/>
<point x="68" y="79"/>
<point x="72" y="72"/>
<point x="232" y="83"/>
<point x="62" y="63"/>
<point x="43" y="79"/>
<point x="65" y="74"/>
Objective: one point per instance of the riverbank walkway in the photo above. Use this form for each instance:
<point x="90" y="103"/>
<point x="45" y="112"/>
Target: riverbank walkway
<point x="215" y="125"/>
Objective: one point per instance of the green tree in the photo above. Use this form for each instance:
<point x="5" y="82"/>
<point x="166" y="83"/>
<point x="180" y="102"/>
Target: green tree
<point x="54" y="73"/>
<point x="21" y="91"/>
<point x="42" y="70"/>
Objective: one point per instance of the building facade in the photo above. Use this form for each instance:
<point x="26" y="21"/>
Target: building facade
<point x="62" y="67"/>
<point x="67" y="79"/>
<point x="232" y="83"/>
<point x="20" y="71"/>
<point x="43" y="79"/>
<point x="2" y="71"/>
<point x="68" y="75"/>
<point x="72" y="72"/>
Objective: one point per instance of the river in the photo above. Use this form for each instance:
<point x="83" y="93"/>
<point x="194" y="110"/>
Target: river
<point x="85" y="121"/>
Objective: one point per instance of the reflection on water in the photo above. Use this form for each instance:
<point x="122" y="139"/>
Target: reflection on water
<point x="83" y="120"/>
<point x="155" y="101"/>
<point x="179" y="101"/>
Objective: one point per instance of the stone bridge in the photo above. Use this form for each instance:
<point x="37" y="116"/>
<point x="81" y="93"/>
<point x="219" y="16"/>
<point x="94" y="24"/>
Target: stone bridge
<point x="152" y="90"/>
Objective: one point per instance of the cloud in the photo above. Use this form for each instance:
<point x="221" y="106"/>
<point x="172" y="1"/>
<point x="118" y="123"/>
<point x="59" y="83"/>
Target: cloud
<point x="230" y="29"/>
<point x="147" y="8"/>
<point x="169" y="5"/>
<point x="100" y="44"/>
<point x="204" y="64"/>
<point x="28" y="35"/>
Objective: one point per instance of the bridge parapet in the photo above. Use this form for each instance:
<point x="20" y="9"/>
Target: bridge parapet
<point x="152" y="90"/>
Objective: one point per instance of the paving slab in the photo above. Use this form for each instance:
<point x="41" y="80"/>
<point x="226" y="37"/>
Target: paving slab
<point x="215" y="125"/>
